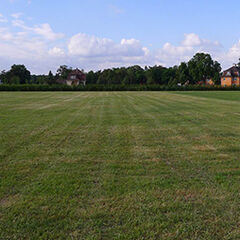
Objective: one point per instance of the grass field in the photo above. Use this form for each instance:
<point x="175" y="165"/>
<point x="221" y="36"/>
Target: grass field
<point x="120" y="165"/>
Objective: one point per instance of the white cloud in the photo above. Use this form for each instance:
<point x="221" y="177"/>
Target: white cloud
<point x="231" y="56"/>
<point x="46" y="31"/>
<point x="84" y="45"/>
<point x="5" y="35"/>
<point x="19" y="23"/>
<point x="38" y="47"/>
<point x="234" y="51"/>
<point x="97" y="53"/>
<point x="43" y="30"/>
<point x="88" y="46"/>
<point x="16" y="15"/>
<point x="191" y="39"/>
<point x="3" y="19"/>
<point x="19" y="46"/>
<point x="56" y="52"/>
<point x="191" y="44"/>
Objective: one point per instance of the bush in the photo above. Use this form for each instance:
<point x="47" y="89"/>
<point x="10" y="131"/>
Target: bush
<point x="40" y="88"/>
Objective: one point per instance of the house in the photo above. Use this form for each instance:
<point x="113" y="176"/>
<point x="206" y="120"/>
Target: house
<point x="208" y="82"/>
<point x="231" y="77"/>
<point x="75" y="78"/>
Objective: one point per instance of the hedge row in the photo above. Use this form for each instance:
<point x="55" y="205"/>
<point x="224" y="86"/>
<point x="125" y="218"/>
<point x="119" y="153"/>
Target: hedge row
<point x="33" y="87"/>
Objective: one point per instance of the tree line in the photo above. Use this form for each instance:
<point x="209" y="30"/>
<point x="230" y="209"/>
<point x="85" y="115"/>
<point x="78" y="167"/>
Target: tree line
<point x="200" y="68"/>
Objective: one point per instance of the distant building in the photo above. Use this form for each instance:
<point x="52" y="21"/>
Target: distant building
<point x="75" y="78"/>
<point x="231" y="77"/>
<point x="208" y="82"/>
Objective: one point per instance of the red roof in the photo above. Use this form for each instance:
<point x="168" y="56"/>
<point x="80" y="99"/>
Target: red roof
<point x="231" y="72"/>
<point x="79" y="75"/>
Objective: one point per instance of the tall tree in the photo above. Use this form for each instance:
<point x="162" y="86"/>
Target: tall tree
<point x="154" y="74"/>
<point x="92" y="77"/>
<point x="18" y="74"/>
<point x="3" y="76"/>
<point x="202" y="67"/>
<point x="63" y="71"/>
<point x="50" y="78"/>
<point x="183" y="75"/>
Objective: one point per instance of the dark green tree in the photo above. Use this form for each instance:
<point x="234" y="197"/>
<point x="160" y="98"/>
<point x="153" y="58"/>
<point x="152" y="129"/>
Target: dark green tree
<point x="15" y="80"/>
<point x="92" y="77"/>
<point x="18" y="74"/>
<point x="51" y="79"/>
<point x="63" y="71"/>
<point x="3" y="76"/>
<point x="182" y="74"/>
<point x="202" y="67"/>
<point x="154" y="74"/>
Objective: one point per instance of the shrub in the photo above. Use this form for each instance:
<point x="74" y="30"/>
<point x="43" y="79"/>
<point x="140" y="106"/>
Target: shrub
<point x="35" y="87"/>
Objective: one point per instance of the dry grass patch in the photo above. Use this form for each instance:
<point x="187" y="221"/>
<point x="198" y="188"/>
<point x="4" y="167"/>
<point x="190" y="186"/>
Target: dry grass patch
<point x="205" y="147"/>
<point x="9" y="201"/>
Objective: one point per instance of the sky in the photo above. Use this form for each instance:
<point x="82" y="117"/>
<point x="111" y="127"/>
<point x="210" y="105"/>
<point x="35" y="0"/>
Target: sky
<point x="99" y="34"/>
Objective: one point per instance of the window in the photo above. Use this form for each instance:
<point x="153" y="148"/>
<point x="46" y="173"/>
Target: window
<point x="73" y="77"/>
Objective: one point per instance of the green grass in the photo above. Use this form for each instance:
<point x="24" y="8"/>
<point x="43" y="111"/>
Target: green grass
<point x="120" y="165"/>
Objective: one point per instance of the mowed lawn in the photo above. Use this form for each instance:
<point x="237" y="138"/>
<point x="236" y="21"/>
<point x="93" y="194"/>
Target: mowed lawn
<point x="120" y="165"/>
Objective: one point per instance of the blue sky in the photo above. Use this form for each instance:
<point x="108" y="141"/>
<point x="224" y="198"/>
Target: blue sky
<point x="97" y="34"/>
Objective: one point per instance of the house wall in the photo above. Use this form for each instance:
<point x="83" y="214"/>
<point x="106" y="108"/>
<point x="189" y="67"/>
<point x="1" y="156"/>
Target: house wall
<point x="230" y="81"/>
<point x="75" y="82"/>
<point x="226" y="81"/>
<point x="69" y="83"/>
<point x="209" y="82"/>
<point x="236" y="82"/>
